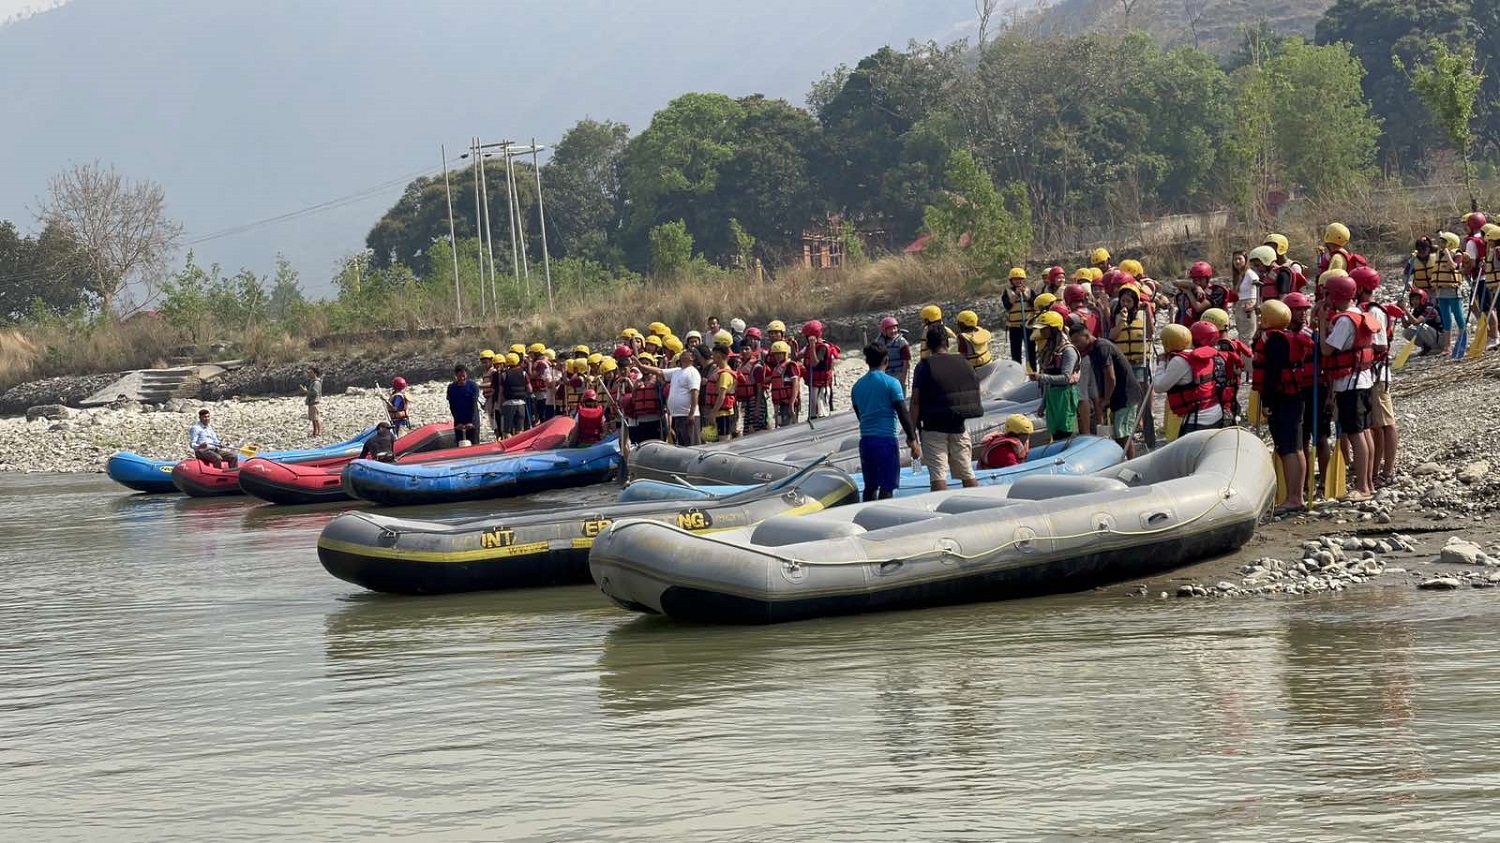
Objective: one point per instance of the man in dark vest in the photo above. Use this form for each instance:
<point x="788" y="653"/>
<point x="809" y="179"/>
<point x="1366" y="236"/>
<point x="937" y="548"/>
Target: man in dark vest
<point x="945" y="393"/>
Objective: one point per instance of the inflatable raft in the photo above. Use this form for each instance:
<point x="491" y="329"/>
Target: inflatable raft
<point x="307" y="483"/>
<point x="500" y="476"/>
<point x="1076" y="456"/>
<point x="422" y="557"/>
<point x="198" y="479"/>
<point x="144" y="474"/>
<point x="1198" y="496"/>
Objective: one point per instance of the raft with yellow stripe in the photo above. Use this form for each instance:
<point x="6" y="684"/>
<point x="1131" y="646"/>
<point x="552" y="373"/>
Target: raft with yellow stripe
<point x="405" y="556"/>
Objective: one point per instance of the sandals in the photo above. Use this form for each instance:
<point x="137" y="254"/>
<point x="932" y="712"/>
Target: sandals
<point x="1358" y="497"/>
<point x="1288" y="509"/>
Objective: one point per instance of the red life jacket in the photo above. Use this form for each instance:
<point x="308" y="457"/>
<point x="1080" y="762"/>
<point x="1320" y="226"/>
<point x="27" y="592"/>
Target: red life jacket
<point x="711" y="392"/>
<point x="1393" y="313"/>
<point x="1360" y="356"/>
<point x="538" y="375"/>
<point x="782" y="377"/>
<point x="1088" y="317"/>
<point x="1481" y="249"/>
<point x="1325" y="259"/>
<point x="819" y="373"/>
<point x="590" y="424"/>
<point x="1233" y="352"/>
<point x="990" y="453"/>
<point x="1297" y="377"/>
<point x="645" y="399"/>
<point x="747" y="382"/>
<point x="1205" y="388"/>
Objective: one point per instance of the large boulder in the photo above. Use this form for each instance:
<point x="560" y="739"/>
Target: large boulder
<point x="53" y="412"/>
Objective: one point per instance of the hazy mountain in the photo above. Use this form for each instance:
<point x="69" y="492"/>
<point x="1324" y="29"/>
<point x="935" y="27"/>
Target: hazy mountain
<point x="1214" y="25"/>
<point x="248" y="109"/>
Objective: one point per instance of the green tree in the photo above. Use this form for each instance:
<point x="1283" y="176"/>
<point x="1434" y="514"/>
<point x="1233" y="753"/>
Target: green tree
<point x="972" y="214"/>
<point x="1333" y="148"/>
<point x="582" y="189"/>
<point x="671" y="249"/>
<point x="406" y="232"/>
<point x="41" y="276"/>
<point x="1449" y="86"/>
<point x="744" y="243"/>
<point x="768" y="183"/>
<point x="285" y="303"/>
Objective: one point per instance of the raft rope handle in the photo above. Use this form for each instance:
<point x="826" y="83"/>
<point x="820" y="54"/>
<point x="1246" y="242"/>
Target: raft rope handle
<point x="1227" y="493"/>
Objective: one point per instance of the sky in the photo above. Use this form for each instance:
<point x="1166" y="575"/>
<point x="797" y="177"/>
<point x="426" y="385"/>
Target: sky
<point x="249" y="110"/>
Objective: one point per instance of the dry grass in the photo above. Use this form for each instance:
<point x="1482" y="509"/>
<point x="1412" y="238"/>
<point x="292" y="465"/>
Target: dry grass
<point x="19" y="355"/>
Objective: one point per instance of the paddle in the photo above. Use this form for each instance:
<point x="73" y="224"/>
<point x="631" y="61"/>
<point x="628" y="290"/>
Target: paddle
<point x="1405" y="355"/>
<point x="1481" y="336"/>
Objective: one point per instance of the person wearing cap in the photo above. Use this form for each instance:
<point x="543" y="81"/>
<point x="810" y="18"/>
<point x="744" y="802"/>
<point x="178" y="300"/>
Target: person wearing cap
<point x="381" y="445"/>
<point x="313" y="389"/>
<point x="737" y="332"/>
<point x="683" y="385"/>
<point x="932" y="317"/>
<point x="463" y="406"/>
<point x="591" y="423"/>
<point x="897" y="350"/>
<point x="513" y="391"/>
<point x="205" y="444"/>
<point x="944" y="396"/>
<point x="880" y="403"/>
<point x="1118" y="391"/>
<point x="1019" y="301"/>
<point x="398" y="406"/>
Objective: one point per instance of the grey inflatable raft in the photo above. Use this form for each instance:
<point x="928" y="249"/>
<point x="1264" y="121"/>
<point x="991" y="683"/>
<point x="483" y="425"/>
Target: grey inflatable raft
<point x="1199" y="496"/>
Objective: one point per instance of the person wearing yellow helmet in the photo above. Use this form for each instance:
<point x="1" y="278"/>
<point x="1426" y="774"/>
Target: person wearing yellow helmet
<point x="1019" y="301"/>
<point x="785" y="376"/>
<point x="776" y="332"/>
<point x="658" y="329"/>
<point x="673" y="346"/>
<point x="537" y="370"/>
<point x="639" y="395"/>
<point x="581" y="350"/>
<point x="1099" y="260"/>
<point x="1057" y="373"/>
<point x="1334" y="254"/>
<point x="1445" y="279"/>
<point x="973" y="340"/>
<point x="1188" y="379"/>
<point x="932" y="315"/>
<point x="1283" y="376"/>
<point x="1133" y="332"/>
<point x="511" y="387"/>
<point x="489" y="363"/>
<point x="1008" y="446"/>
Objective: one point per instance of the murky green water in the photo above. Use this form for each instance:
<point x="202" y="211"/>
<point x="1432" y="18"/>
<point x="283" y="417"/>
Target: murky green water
<point x="186" y="670"/>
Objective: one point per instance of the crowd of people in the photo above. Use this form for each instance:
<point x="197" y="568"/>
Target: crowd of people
<point x="1307" y="348"/>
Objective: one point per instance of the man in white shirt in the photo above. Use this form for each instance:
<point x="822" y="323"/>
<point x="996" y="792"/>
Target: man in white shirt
<point x="205" y="443"/>
<point x="1351" y="392"/>
<point x="683" y="383"/>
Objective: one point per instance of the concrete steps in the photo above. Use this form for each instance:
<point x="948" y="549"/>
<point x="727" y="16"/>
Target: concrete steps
<point x="155" y="386"/>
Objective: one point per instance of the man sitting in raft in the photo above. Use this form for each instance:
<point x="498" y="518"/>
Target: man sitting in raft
<point x="381" y="445"/>
<point x="206" y="446"/>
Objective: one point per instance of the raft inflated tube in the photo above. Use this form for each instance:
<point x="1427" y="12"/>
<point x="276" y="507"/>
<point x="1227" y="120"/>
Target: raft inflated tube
<point x="505" y="475"/>
<point x="526" y="550"/>
<point x="1079" y="455"/>
<point x="1198" y="496"/>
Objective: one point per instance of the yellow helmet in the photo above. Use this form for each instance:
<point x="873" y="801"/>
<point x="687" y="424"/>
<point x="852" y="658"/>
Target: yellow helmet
<point x="1217" y="317"/>
<point x="1336" y="233"/>
<point x="673" y="345"/>
<point x="568" y="365"/>
<point x="513" y="359"/>
<point x="932" y="313"/>
<point x="1044" y="301"/>
<point x="549" y="354"/>
<point x="1017" y="423"/>
<point x="594" y="358"/>
<point x="646" y="357"/>
<point x="608" y="364"/>
<point x="517" y="348"/>
<point x="1017" y="273"/>
<point x="1131" y="266"/>
<point x="1176" y="337"/>
<point x="1491" y="232"/>
<point x="1450" y="239"/>
<point x="776" y="325"/>
<point x="1331" y="273"/>
<point x="1095" y="273"/>
<point x="629" y="334"/>
<point x="536" y="348"/>
<point x="1278" y="242"/>
<point x="781" y="347"/>
<point x="653" y="341"/>
<point x="581" y="349"/>
<point x="723" y="339"/>
<point x="658" y="329"/>
<point x="1083" y="275"/>
<point x="1274" y="315"/>
<point x="968" y="318"/>
<point x="1100" y="255"/>
<point x="1265" y="254"/>
<point x="1049" y="319"/>
<point x="487" y="354"/>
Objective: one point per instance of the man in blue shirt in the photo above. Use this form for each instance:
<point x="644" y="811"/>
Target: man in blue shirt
<point x="879" y="403"/>
<point x="463" y="403"/>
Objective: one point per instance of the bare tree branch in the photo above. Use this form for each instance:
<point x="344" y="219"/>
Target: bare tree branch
<point x="985" y="9"/>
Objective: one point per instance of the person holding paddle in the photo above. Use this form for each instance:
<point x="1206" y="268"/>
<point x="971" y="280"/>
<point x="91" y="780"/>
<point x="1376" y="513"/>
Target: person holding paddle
<point x="207" y="446"/>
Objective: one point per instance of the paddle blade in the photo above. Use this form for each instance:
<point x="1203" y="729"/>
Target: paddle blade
<point x="1281" y="491"/>
<point x="1254" y="411"/>
<point x="1481" y="336"/>
<point x="1404" y="356"/>
<point x="249" y="450"/>
<point x="1462" y="345"/>
<point x="1312" y="476"/>
<point x="1171" y="426"/>
<point x="1336" y="484"/>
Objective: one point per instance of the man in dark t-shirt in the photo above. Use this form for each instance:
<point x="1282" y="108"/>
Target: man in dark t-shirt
<point x="945" y="393"/>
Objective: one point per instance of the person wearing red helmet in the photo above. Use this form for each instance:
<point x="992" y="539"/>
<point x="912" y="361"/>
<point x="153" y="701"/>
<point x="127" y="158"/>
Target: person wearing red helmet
<point x="1089" y="388"/>
<point x="897" y="350"/>
<point x="1317" y="401"/>
<point x="1191" y="298"/>
<point x="818" y="356"/>
<point x="1056" y="278"/>
<point x="1383" y="436"/>
<point x="592" y="425"/>
<point x="1019" y="301"/>
<point x="751" y="381"/>
<point x="1348" y="370"/>
<point x="398" y="406"/>
<point x="1423" y="323"/>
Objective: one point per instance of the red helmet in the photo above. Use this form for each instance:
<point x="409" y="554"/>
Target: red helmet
<point x="1340" y="288"/>
<point x="622" y="351"/>
<point x="1074" y="293"/>
<point x="1356" y="261"/>
<point x="812" y="328"/>
<point x="590" y="395"/>
<point x="398" y="382"/>
<point x="752" y="333"/>
<point x="1365" y="278"/>
<point x="1111" y="281"/>
<point x="1056" y="272"/>
<point x="1419" y="294"/>
<point x="1201" y="270"/>
<point x="889" y="322"/>
<point x="1061" y="310"/>
<point x="1475" y="221"/>
<point x="1297" y="301"/>
<point x="1204" y="333"/>
<point x="1123" y="278"/>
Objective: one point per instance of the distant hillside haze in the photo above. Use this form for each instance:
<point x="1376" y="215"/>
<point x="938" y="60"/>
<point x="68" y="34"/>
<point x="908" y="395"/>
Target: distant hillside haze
<point x="248" y="110"/>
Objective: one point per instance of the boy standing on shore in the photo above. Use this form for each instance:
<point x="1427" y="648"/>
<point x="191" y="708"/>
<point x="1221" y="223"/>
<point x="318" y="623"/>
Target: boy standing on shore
<point x="314" y="390"/>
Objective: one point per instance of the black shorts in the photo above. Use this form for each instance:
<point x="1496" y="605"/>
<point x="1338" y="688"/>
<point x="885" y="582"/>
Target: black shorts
<point x="646" y="431"/>
<point x="1323" y="429"/>
<point x="1354" y="410"/>
<point x="1288" y="427"/>
<point x="724" y="425"/>
<point x="1486" y="297"/>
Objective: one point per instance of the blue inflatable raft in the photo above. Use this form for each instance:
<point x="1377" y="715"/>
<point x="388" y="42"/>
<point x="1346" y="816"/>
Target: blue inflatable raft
<point x="481" y="478"/>
<point x="1077" y="456"/>
<point x="144" y="474"/>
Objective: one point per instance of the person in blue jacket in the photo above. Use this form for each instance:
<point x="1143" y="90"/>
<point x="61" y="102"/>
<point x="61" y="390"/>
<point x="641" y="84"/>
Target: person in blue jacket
<point x="463" y="404"/>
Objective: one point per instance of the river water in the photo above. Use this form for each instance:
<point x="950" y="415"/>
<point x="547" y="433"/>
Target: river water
<point x="186" y="670"/>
